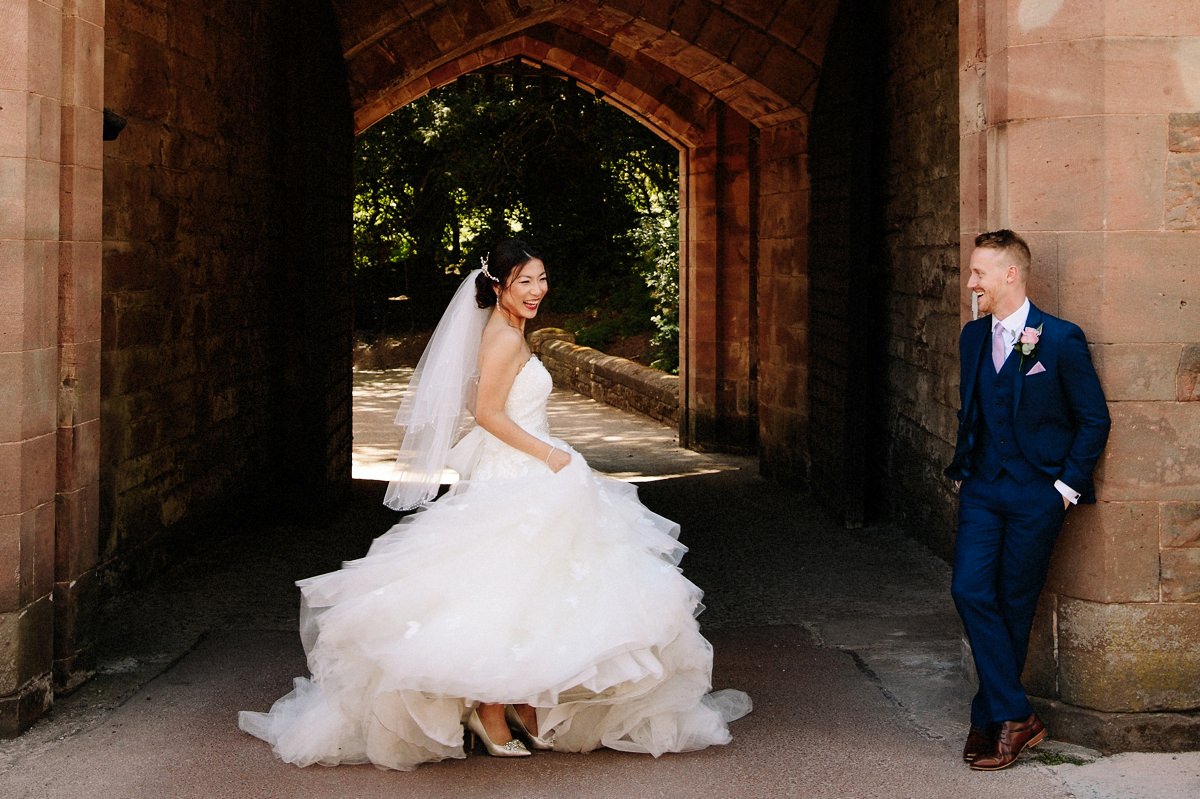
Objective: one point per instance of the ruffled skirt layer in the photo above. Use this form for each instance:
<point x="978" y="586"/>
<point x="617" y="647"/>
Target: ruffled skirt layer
<point x="557" y="590"/>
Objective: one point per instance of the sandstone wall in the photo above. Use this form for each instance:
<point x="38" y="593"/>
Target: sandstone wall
<point x="1079" y="128"/>
<point x="781" y="209"/>
<point x="50" y="161"/>
<point x="226" y="318"/>
<point x="920" y="252"/>
<point x="883" y="161"/>
<point x="846" y="374"/>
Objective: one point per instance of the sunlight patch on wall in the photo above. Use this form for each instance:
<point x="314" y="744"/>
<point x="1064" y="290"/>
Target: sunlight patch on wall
<point x="1036" y="13"/>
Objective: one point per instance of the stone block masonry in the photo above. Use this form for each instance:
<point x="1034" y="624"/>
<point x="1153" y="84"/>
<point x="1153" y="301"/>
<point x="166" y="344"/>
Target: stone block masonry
<point x="174" y="317"/>
<point x="50" y="95"/>
<point x="615" y="381"/>
<point x="920" y="251"/>
<point x="883" y="265"/>
<point x="1080" y="129"/>
<point x="226" y="320"/>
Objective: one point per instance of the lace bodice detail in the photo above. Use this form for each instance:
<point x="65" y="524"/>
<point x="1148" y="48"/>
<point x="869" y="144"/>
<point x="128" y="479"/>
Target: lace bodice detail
<point x="526" y="405"/>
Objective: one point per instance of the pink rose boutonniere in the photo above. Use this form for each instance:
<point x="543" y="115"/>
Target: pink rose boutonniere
<point x="1027" y="343"/>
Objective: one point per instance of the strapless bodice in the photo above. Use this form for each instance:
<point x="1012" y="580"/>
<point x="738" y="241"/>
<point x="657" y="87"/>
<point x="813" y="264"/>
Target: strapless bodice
<point x="526" y="405"/>
<point x="527" y="398"/>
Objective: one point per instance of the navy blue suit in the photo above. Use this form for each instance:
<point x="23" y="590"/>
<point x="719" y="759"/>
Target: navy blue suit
<point x="1042" y="418"/>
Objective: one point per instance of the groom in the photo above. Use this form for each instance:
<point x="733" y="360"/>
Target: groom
<point x="1032" y="425"/>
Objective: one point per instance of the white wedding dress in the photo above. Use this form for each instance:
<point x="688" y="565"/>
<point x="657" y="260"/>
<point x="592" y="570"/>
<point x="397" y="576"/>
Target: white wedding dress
<point x="521" y="585"/>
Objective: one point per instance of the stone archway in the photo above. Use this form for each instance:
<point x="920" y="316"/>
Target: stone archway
<point x="175" y="325"/>
<point x="201" y="258"/>
<point x="732" y="88"/>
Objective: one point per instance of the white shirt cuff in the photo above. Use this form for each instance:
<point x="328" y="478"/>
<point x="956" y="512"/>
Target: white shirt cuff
<point x="1071" y="494"/>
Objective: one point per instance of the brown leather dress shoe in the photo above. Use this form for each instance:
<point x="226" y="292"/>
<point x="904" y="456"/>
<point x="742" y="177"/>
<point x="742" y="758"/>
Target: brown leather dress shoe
<point x="1015" y="737"/>
<point x="980" y="741"/>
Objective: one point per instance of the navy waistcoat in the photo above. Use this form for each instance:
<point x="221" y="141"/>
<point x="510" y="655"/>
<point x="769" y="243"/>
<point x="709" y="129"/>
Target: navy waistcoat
<point x="996" y="447"/>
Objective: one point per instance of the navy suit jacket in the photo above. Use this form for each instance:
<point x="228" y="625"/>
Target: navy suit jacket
<point x="1060" y="417"/>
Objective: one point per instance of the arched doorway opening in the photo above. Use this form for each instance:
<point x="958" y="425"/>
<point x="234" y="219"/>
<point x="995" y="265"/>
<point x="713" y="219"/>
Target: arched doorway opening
<point x="201" y="319"/>
<point x="517" y="148"/>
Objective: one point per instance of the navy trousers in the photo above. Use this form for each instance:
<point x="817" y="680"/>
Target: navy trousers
<point x="1006" y="532"/>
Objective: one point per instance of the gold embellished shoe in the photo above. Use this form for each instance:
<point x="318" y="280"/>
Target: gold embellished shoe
<point x="536" y="741"/>
<point x="513" y="748"/>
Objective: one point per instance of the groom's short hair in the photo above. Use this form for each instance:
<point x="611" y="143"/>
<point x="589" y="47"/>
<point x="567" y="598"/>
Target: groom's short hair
<point x="1011" y="244"/>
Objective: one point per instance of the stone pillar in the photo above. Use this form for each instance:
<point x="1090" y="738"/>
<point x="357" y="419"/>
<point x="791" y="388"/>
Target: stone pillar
<point x="717" y="288"/>
<point x="51" y="83"/>
<point x="1079" y="130"/>
<point x="77" y="524"/>
<point x="31" y="40"/>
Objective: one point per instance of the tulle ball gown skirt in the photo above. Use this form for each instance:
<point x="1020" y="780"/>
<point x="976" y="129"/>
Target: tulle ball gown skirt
<point x="558" y="590"/>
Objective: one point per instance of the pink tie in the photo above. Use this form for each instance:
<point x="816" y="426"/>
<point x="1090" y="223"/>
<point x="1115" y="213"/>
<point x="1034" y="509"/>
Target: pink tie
<point x="999" y="347"/>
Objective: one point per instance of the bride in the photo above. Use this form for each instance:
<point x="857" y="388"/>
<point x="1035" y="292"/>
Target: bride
<point x="536" y="597"/>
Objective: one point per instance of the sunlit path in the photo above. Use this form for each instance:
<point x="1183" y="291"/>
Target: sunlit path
<point x="618" y="443"/>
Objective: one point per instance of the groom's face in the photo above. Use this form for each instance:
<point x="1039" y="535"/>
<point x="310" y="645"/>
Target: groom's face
<point x="994" y="281"/>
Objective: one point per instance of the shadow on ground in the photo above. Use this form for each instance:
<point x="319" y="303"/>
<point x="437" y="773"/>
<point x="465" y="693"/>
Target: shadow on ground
<point x="846" y="640"/>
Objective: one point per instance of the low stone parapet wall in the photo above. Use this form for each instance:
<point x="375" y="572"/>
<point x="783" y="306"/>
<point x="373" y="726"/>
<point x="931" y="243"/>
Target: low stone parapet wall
<point x="614" y="381"/>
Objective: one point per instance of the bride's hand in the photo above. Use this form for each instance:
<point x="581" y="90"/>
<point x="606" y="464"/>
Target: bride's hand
<point x="557" y="459"/>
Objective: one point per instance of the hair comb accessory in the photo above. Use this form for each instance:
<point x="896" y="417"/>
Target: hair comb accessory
<point x="483" y="263"/>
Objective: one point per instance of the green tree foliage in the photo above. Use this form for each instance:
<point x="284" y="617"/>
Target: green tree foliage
<point x="517" y="151"/>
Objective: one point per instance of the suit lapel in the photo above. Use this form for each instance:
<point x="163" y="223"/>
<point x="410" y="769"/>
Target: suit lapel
<point x="971" y="374"/>
<point x="1024" y="364"/>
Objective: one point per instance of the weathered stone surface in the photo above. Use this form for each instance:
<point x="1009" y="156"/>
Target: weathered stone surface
<point x="1078" y="87"/>
<point x="615" y="381"/>
<point x="18" y="711"/>
<point x="1151" y="18"/>
<point x="33" y="461"/>
<point x="1060" y="165"/>
<point x="1040" y="677"/>
<point x="1183" y="133"/>
<point x="1011" y="23"/>
<point x="13" y="308"/>
<point x="77" y="531"/>
<point x="15" y="121"/>
<point x="37" y="553"/>
<point x="1138" y="372"/>
<point x="909" y="372"/>
<point x="1182" y="199"/>
<point x="1181" y="575"/>
<point x="44" y="48"/>
<point x="76" y="604"/>
<point x="1180" y="524"/>
<point x="10" y="562"/>
<point x="26" y="638"/>
<point x="783" y="304"/>
<point x="12" y="197"/>
<point x="1129" y="657"/>
<point x="1187" y="382"/>
<point x="1108" y="552"/>
<point x="1134" y="180"/>
<point x="226" y="327"/>
<point x="1119" y="732"/>
<point x="15" y="41"/>
<point x="1151" y="274"/>
<point x="1153" y="452"/>
<point x="1147" y="74"/>
<point x="42" y="199"/>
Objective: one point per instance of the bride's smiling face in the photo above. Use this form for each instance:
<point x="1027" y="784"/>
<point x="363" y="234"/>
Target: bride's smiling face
<point x="526" y="288"/>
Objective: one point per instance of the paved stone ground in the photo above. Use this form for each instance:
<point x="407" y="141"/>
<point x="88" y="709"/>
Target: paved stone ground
<point x="846" y="641"/>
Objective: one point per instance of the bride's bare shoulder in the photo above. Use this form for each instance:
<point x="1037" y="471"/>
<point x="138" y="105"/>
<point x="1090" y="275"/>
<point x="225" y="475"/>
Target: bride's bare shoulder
<point x="501" y="344"/>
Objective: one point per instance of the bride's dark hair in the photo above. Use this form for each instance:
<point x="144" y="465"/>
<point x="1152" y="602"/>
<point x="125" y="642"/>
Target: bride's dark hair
<point x="506" y="256"/>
